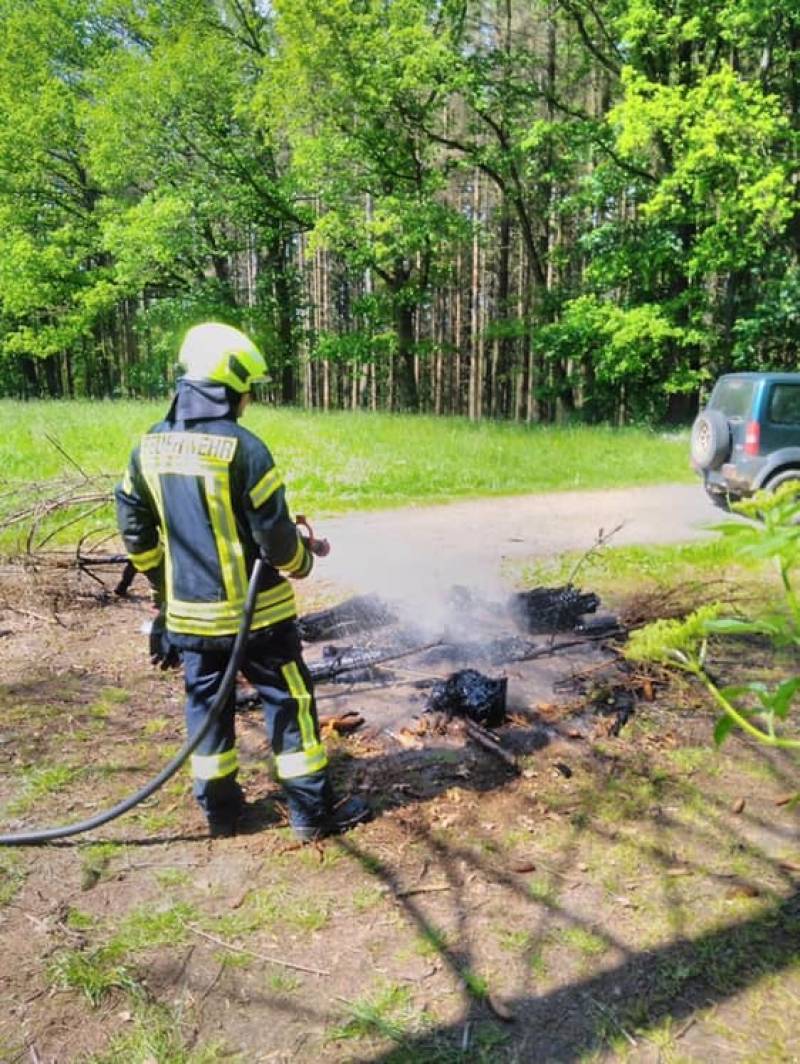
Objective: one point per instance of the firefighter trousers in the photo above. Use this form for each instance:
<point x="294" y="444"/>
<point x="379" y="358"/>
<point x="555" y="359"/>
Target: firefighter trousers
<point x="273" y="663"/>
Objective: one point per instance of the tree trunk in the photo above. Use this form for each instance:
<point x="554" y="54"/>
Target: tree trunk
<point x="404" y="326"/>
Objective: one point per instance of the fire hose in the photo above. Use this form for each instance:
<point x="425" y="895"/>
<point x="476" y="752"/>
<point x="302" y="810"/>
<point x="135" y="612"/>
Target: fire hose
<point x="319" y="547"/>
<point x="34" y="838"/>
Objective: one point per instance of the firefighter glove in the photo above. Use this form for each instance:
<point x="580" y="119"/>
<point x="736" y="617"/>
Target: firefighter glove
<point x="162" y="652"/>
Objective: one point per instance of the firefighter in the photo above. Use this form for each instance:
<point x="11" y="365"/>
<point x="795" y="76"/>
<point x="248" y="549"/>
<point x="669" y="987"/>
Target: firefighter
<point x="200" y="499"/>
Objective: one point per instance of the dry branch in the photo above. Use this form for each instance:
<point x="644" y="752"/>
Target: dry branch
<point x="252" y="953"/>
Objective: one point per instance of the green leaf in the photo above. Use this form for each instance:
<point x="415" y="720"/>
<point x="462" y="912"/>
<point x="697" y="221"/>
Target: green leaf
<point x="736" y="691"/>
<point x="730" y="626"/>
<point x="722" y="728"/>
<point x="783" y="696"/>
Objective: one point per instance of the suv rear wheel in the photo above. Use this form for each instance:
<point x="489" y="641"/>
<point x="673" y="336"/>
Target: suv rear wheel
<point x="784" y="478"/>
<point x="711" y="439"/>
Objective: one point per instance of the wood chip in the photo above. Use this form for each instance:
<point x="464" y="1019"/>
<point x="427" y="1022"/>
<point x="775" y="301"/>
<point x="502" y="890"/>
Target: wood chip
<point x="500" y="1009"/>
<point x="785" y="799"/>
<point x="522" y="865"/>
<point x="789" y="866"/>
<point x="742" y="890"/>
<point x="675" y="872"/>
<point x="239" y="899"/>
<point x="408" y="739"/>
<point x="738" y="806"/>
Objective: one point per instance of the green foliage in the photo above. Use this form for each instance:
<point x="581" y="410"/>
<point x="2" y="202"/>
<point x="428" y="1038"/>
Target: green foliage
<point x="95" y="861"/>
<point x="728" y="179"/>
<point x="147" y="928"/>
<point x="625" y="346"/>
<point x="155" y="1035"/>
<point x="12" y="875"/>
<point x="94" y="973"/>
<point x="54" y="286"/>
<point x="758" y="708"/>
<point x="38" y="783"/>
<point x="329" y="175"/>
<point x="386" y="1013"/>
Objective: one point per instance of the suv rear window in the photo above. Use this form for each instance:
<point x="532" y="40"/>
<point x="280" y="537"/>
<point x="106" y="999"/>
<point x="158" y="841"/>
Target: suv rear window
<point x="733" y="397"/>
<point x="784" y="404"/>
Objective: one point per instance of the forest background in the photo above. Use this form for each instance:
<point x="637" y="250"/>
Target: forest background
<point x="540" y="211"/>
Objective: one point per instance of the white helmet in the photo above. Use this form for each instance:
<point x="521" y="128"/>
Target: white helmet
<point x="216" y="352"/>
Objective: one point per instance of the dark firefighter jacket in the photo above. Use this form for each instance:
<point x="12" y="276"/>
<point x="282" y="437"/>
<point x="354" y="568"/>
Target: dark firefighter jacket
<point x="200" y="497"/>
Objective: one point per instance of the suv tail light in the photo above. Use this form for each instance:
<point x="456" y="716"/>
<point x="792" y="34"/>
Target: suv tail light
<point x="752" y="438"/>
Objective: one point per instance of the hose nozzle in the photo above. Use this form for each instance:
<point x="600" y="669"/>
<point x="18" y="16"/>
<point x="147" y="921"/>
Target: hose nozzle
<point x="320" y="547"/>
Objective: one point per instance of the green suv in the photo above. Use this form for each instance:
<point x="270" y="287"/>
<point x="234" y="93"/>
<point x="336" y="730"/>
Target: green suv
<point x="748" y="436"/>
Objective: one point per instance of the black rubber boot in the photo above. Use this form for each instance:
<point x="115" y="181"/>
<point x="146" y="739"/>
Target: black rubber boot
<point x="223" y="820"/>
<point x="222" y="827"/>
<point x="344" y="816"/>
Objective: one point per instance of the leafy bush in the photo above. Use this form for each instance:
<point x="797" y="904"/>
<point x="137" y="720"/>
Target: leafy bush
<point x="760" y="709"/>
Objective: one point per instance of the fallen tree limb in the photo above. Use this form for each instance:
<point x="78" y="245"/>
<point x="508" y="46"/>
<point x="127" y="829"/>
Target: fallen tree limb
<point x="485" y="739"/>
<point x="252" y="953"/>
<point x="360" y="659"/>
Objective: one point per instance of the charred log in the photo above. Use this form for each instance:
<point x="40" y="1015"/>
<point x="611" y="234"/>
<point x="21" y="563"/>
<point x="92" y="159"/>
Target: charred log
<point x="345" y="660"/>
<point x="551" y="609"/>
<point x="485" y="652"/>
<point x="469" y="694"/>
<point x="356" y="614"/>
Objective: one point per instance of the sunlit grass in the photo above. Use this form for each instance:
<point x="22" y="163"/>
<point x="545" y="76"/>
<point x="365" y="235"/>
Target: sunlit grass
<point x="385" y="1013"/>
<point x="156" y="1034"/>
<point x="37" y="784"/>
<point x="12" y="875"/>
<point x="337" y="462"/>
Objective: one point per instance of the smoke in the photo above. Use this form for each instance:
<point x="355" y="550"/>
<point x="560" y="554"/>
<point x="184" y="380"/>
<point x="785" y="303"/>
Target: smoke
<point x="435" y="589"/>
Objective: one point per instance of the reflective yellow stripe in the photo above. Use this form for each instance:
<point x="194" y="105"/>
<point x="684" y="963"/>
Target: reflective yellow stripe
<point x="188" y="454"/>
<point x="148" y="559"/>
<point x="213" y="624"/>
<point x="214" y="766"/>
<point x="231" y="610"/>
<point x="302" y="763"/>
<point x="154" y="484"/>
<point x="298" y="559"/>
<point x="301" y="695"/>
<point x="267" y="486"/>
<point x="223" y="524"/>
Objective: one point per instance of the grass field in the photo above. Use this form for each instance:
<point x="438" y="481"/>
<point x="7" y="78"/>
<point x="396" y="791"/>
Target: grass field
<point x="342" y="461"/>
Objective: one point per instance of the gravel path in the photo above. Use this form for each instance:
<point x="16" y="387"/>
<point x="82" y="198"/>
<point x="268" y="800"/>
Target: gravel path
<point x="403" y="553"/>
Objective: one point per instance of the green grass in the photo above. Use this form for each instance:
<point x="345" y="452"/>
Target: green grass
<point x="156" y="1035"/>
<point x="147" y="928"/>
<point x="95" y="861"/>
<point x="337" y="462"/>
<point x="282" y="983"/>
<point x="77" y="920"/>
<point x="173" y="877"/>
<point x="39" y="783"/>
<point x="12" y="875"/>
<point x="386" y="1013"/>
<point x="623" y="569"/>
<point x="543" y="890"/>
<point x="584" y="942"/>
<point x="93" y="973"/>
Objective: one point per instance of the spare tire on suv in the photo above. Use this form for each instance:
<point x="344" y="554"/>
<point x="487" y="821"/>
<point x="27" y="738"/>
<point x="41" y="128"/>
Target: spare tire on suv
<point x="711" y="439"/>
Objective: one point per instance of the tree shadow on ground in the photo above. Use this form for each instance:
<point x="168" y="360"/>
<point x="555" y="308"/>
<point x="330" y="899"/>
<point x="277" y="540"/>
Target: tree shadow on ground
<point x="645" y="987"/>
<point x="673" y="981"/>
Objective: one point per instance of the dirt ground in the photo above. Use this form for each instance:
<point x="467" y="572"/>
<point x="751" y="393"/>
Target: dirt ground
<point x="620" y="897"/>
